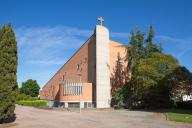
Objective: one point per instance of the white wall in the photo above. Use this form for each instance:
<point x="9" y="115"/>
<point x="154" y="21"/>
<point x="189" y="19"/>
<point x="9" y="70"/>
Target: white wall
<point x="102" y="68"/>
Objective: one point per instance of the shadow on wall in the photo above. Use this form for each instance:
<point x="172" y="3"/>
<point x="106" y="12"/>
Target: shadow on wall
<point x="54" y="97"/>
<point x="119" y="76"/>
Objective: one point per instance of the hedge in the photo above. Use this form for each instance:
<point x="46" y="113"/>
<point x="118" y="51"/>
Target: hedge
<point x="35" y="103"/>
<point x="26" y="97"/>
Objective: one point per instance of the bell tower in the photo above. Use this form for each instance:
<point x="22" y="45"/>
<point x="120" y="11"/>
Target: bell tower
<point x="102" y="66"/>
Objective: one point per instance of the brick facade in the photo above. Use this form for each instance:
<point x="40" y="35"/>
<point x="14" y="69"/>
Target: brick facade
<point x="81" y="67"/>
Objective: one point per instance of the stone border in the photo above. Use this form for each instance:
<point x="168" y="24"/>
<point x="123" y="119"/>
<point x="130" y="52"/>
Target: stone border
<point x="6" y="125"/>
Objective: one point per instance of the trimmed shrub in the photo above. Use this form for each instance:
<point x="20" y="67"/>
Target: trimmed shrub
<point x="35" y="103"/>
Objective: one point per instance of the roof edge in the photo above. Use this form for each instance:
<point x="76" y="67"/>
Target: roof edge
<point x="69" y="59"/>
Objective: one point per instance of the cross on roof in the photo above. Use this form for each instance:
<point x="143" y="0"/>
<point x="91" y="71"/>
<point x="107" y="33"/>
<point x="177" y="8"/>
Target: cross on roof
<point x="101" y="20"/>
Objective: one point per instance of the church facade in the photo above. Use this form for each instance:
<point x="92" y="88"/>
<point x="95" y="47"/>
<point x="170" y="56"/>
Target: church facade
<point x="85" y="79"/>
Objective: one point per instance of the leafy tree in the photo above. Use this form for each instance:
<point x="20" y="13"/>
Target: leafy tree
<point x="30" y="87"/>
<point x="137" y="49"/>
<point x="179" y="83"/>
<point x="147" y="90"/>
<point x="8" y="71"/>
<point x="148" y="65"/>
<point x="151" y="73"/>
<point x="156" y="78"/>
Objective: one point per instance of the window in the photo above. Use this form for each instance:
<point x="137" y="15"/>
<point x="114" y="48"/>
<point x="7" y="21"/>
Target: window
<point x="63" y="77"/>
<point x="77" y="66"/>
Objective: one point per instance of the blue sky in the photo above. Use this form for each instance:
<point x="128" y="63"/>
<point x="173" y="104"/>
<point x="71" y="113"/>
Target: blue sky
<point x="49" y="31"/>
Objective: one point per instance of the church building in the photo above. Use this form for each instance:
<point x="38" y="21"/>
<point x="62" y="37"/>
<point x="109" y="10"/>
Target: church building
<point x="85" y="79"/>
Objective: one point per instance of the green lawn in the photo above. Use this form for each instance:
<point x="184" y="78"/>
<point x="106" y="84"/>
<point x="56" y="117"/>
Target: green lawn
<point x="35" y="103"/>
<point x="179" y="115"/>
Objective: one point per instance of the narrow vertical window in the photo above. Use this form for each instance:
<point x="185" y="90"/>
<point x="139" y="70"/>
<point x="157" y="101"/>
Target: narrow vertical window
<point x="77" y="66"/>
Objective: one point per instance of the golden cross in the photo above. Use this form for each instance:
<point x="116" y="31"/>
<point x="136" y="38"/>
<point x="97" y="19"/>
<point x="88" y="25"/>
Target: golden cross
<point x="101" y="20"/>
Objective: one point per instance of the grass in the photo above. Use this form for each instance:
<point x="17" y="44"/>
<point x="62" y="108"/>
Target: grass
<point x="179" y="115"/>
<point x="35" y="103"/>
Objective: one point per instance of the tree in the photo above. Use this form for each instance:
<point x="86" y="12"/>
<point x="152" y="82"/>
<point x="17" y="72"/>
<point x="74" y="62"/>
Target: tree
<point x="156" y="78"/>
<point x="30" y="87"/>
<point x="118" y="77"/>
<point x="150" y="36"/>
<point x="135" y="50"/>
<point x="148" y="66"/>
<point x="119" y="97"/>
<point x="147" y="88"/>
<point x="8" y="72"/>
<point x="179" y="82"/>
<point x="150" y="45"/>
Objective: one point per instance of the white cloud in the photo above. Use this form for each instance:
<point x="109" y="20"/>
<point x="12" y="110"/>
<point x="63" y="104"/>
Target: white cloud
<point x="173" y="39"/>
<point x="49" y="43"/>
<point x="120" y="35"/>
<point x="182" y="46"/>
<point x="43" y="50"/>
<point x="45" y="62"/>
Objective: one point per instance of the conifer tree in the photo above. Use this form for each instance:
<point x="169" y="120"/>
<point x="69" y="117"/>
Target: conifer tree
<point x="135" y="50"/>
<point x="150" y="45"/>
<point x="8" y="70"/>
<point x="150" y="37"/>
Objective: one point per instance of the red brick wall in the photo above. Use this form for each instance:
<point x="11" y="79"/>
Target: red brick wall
<point x="70" y="72"/>
<point x="86" y="58"/>
<point x="86" y="94"/>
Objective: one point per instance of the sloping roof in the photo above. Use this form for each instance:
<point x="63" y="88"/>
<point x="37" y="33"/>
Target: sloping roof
<point x="69" y="60"/>
<point x="112" y="43"/>
<point x="115" y="44"/>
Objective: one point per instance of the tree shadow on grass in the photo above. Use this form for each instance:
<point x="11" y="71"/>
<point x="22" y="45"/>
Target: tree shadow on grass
<point x="179" y="111"/>
<point x="171" y="110"/>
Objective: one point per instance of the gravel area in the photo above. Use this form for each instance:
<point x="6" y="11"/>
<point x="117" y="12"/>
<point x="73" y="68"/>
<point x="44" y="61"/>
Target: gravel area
<point x="30" y="117"/>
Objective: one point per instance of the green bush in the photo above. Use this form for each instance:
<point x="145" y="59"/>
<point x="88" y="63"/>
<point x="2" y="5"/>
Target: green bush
<point x="26" y="97"/>
<point x="119" y="98"/>
<point x="35" y="103"/>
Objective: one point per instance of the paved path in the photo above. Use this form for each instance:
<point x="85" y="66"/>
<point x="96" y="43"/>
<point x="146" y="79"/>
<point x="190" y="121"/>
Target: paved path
<point x="29" y="117"/>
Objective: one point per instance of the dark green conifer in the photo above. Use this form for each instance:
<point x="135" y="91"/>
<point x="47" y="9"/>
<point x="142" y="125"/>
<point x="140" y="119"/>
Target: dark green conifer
<point x="8" y="72"/>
